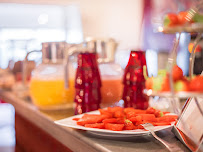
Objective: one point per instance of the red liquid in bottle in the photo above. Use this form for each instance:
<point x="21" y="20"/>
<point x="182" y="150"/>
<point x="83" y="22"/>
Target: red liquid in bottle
<point x="97" y="82"/>
<point x="134" y="82"/>
<point x="87" y="84"/>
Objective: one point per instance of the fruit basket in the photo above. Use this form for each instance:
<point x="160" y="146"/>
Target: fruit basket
<point x="183" y="87"/>
<point x="190" y="21"/>
<point x="173" y="85"/>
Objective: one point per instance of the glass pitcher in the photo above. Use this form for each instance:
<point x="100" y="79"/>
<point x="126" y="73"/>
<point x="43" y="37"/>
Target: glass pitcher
<point x="47" y="85"/>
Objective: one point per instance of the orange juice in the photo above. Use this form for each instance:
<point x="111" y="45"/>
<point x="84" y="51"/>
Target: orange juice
<point x="111" y="90"/>
<point x="51" y="92"/>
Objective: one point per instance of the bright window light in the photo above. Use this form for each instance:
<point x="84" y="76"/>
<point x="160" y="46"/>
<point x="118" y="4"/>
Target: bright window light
<point x="50" y="35"/>
<point x="43" y="18"/>
<point x="74" y="36"/>
<point x="25" y="27"/>
<point x="152" y="59"/>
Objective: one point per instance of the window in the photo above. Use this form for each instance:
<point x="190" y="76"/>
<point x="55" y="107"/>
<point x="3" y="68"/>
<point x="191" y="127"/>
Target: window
<point x="23" y="30"/>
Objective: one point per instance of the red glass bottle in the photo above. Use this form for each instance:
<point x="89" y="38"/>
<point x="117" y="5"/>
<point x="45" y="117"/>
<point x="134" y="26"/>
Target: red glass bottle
<point x="134" y="81"/>
<point x="87" y="84"/>
<point x="94" y="58"/>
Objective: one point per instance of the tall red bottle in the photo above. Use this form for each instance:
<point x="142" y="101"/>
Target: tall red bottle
<point x="134" y="82"/>
<point x="87" y="84"/>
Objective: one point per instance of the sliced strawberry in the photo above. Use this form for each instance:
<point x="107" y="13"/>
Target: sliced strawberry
<point x="148" y="117"/>
<point x="119" y="114"/>
<point x="128" y="125"/>
<point x="96" y="125"/>
<point x="167" y="118"/>
<point x="158" y="113"/>
<point x="131" y="114"/>
<point x="75" y="119"/>
<point x="90" y="119"/>
<point x="105" y="112"/>
<point x="114" y="127"/>
<point x="140" y="127"/>
<point x="120" y="120"/>
<point x="136" y="119"/>
<point x="135" y="113"/>
<point x="126" y="110"/>
<point x="111" y="120"/>
<point x="150" y="110"/>
<point x="114" y="109"/>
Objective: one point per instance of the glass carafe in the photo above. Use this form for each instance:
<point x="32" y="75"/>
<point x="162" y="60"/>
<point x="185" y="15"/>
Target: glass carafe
<point x="47" y="86"/>
<point x="111" y="90"/>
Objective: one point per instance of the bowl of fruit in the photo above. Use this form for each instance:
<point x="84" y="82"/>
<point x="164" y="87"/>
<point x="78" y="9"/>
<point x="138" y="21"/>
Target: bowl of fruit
<point x="182" y="85"/>
<point x="185" y="21"/>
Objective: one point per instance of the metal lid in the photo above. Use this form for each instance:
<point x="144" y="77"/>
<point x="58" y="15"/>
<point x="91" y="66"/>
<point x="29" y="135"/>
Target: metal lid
<point x="104" y="47"/>
<point x="54" y="52"/>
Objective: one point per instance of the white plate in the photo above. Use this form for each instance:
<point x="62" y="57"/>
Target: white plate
<point x="69" y="122"/>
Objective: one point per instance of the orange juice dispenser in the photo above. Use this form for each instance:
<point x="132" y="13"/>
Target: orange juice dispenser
<point x="47" y="86"/>
<point x="111" y="73"/>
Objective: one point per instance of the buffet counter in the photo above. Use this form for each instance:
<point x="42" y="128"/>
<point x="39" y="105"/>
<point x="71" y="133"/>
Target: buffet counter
<point x="36" y="131"/>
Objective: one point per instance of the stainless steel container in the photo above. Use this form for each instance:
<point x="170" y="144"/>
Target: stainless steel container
<point x="54" y="52"/>
<point x="104" y="47"/>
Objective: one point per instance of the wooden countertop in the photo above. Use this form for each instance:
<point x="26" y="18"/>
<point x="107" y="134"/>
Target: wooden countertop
<point x="78" y="140"/>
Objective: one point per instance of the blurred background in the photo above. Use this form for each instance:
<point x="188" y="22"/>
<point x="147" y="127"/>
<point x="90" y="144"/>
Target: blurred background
<point x="24" y="25"/>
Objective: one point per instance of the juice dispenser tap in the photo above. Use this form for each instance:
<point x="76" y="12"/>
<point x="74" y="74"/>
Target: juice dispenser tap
<point x="111" y="73"/>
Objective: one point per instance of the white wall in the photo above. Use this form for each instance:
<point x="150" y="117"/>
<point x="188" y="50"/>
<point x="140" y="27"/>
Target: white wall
<point x="120" y="19"/>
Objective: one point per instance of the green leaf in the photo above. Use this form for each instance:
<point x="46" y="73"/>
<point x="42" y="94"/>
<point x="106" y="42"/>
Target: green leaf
<point x="145" y="72"/>
<point x="166" y="21"/>
<point x="157" y="83"/>
<point x="161" y="114"/>
<point x="162" y="72"/>
<point x="128" y="121"/>
<point x="198" y="18"/>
